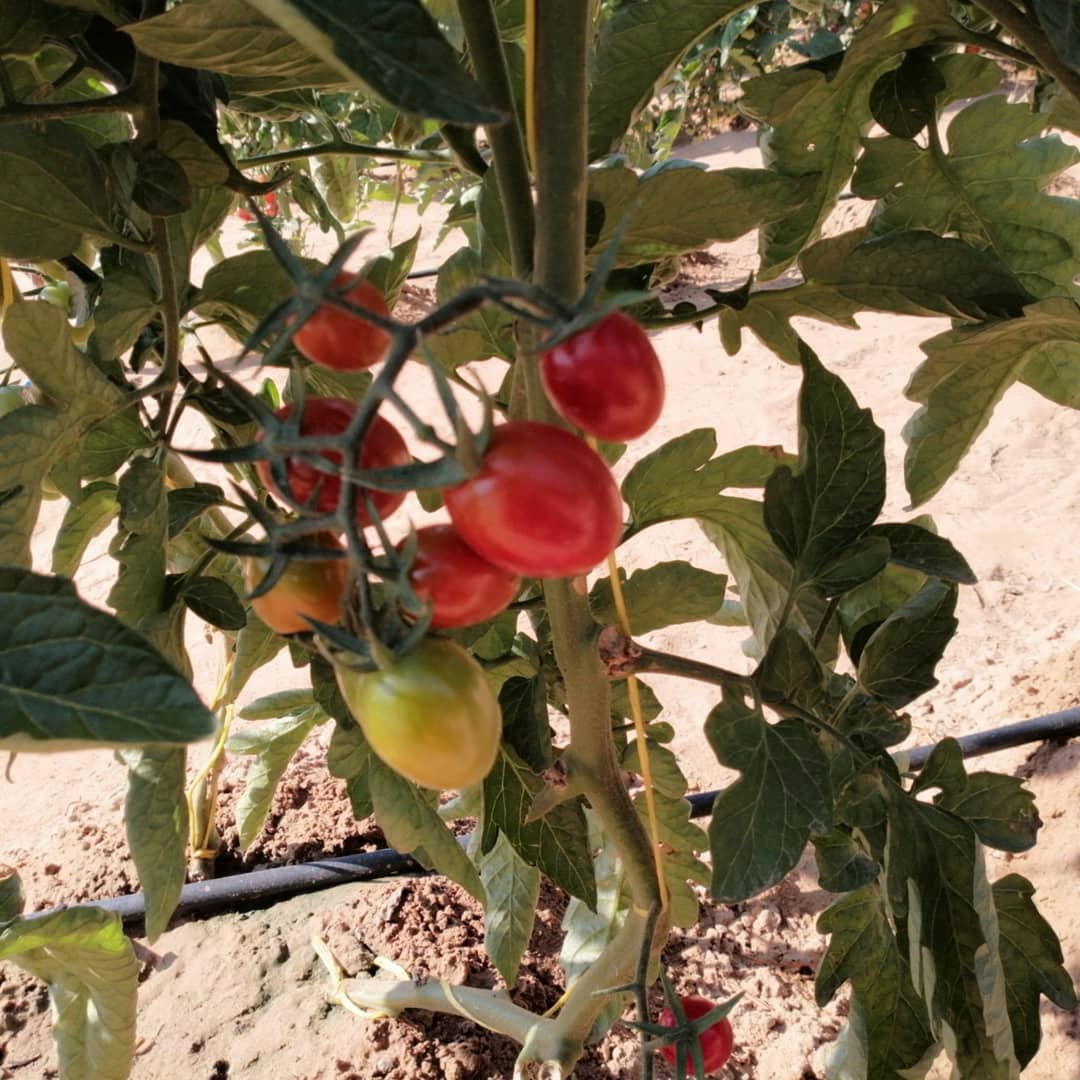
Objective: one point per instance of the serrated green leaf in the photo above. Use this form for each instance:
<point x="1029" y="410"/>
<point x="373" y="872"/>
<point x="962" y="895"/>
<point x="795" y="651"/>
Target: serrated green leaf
<point x="202" y="165"/>
<point x="513" y="894"/>
<point x="110" y="443"/>
<point x="126" y="305"/>
<point x="843" y="866"/>
<point x="661" y="595"/>
<point x="337" y="179"/>
<point x="138" y="593"/>
<point x="555" y="844"/>
<point x="817" y="119"/>
<point x="273" y="746"/>
<point x="918" y="548"/>
<point x="83" y="521"/>
<point x="92" y="974"/>
<point x="902" y="100"/>
<point x="716" y="205"/>
<point x="907" y="272"/>
<point x="156" y="818"/>
<point x="1031" y="957"/>
<point x="256" y="645"/>
<point x="853" y="566"/>
<point x="965" y="374"/>
<point x="651" y="707"/>
<point x="347" y="759"/>
<point x="389" y="271"/>
<point x="53" y="191"/>
<point x="668" y="779"/>
<point x="191" y="229"/>
<point x="891" y="1023"/>
<point x="897" y="663"/>
<point x="839" y="488"/>
<point x="863" y="609"/>
<point x="681" y="841"/>
<point x="638" y="46"/>
<point x="967" y="75"/>
<point x="161" y="186"/>
<point x="188" y="504"/>
<point x="762" y="822"/>
<point x="987" y="190"/>
<point x="213" y="600"/>
<point x="244" y="287"/>
<point x="410" y="823"/>
<point x="790" y="674"/>
<point x="84" y="678"/>
<point x="393" y="47"/>
<point x="280" y="703"/>
<point x="526" y="727"/>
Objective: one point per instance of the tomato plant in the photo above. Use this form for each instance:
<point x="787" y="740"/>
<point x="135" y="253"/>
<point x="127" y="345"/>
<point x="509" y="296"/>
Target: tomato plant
<point x="542" y="504"/>
<point x="716" y="1041"/>
<point x="606" y="379"/>
<point x="382" y="448"/>
<point x="462" y="587"/>
<point x="430" y="715"/>
<point x="307" y="587"/>
<point x="339" y="339"/>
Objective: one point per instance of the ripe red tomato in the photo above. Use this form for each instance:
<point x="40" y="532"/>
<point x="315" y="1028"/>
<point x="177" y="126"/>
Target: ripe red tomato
<point x="338" y="339"/>
<point x="383" y="447"/>
<point x="270" y="204"/>
<point x="543" y="503"/>
<point x="431" y="716"/>
<point x="244" y="214"/>
<point x="717" y="1041"/>
<point x="606" y="379"/>
<point x="462" y="587"/>
<point x="312" y="587"/>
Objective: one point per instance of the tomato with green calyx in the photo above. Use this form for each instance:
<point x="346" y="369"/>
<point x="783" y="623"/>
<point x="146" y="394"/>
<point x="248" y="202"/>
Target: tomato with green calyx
<point x="717" y="1040"/>
<point x="339" y="339"/>
<point x="313" y="587"/>
<point x="606" y="379"/>
<point x="462" y="587"/>
<point x="430" y="715"/>
<point x="383" y="447"/>
<point x="542" y="504"/>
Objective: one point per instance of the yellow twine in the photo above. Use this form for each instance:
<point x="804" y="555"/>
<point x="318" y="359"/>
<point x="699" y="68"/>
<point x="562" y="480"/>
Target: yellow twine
<point x="530" y="79"/>
<point x="201" y="845"/>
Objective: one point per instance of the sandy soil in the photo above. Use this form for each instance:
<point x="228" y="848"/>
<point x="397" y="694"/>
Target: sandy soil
<point x="241" y="995"/>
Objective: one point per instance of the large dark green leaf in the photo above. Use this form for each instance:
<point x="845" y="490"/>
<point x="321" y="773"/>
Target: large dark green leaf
<point x="908" y="272"/>
<point x="965" y="374"/>
<point x="245" y="287"/>
<point x="92" y="973"/>
<point x="987" y="190"/>
<point x="1060" y="21"/>
<point x="75" y="676"/>
<point x="897" y="663"/>
<point x="681" y="841"/>
<point x="920" y="549"/>
<point x="839" y="488"/>
<point x="393" y="47"/>
<point x="843" y="865"/>
<point x="139" y="593"/>
<point x="904" y="99"/>
<point x="889" y="1029"/>
<point x="762" y="822"/>
<point x="638" y="46"/>
<point x="662" y="595"/>
<point x="1031" y="956"/>
<point x="53" y="190"/>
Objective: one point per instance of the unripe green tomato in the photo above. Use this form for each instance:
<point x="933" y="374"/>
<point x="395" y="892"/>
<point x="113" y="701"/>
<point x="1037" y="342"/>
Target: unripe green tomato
<point x="58" y="295"/>
<point x="431" y="716"/>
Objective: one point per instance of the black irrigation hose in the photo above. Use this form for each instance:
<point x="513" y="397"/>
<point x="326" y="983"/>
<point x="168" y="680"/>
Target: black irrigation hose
<point x="259" y="886"/>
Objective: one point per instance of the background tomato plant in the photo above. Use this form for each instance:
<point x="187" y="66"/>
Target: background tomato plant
<point x="141" y="129"/>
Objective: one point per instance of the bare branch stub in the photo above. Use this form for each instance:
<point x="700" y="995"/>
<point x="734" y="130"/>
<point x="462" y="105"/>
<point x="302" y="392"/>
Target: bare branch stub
<point x="618" y="654"/>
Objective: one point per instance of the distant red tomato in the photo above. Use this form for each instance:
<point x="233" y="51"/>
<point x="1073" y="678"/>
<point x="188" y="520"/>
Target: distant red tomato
<point x="543" y="503"/>
<point x="462" y="587"/>
<point x="606" y="379"/>
<point x="717" y="1041"/>
<point x="338" y="339"/>
<point x="270" y="204"/>
<point x="244" y="214"/>
<point x="383" y="447"/>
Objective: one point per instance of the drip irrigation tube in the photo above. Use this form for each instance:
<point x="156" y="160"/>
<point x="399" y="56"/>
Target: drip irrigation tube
<point x="258" y="887"/>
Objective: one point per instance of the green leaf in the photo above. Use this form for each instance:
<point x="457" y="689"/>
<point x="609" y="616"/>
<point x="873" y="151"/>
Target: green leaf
<point x="53" y="191"/>
<point x="555" y="844"/>
<point x="839" y="488"/>
<point x="389" y="271"/>
<point x="161" y="186"/>
<point x="83" y="520"/>
<point x="337" y="179"/>
<point x="213" y="601"/>
<point x="965" y="374"/>
<point x="987" y="190"/>
<point x="84" y="678"/>
<point x="392" y="47"/>
<point x="817" y="118"/>
<point x="273" y="746"/>
<point x="410" y="823"/>
<point x="662" y="595"/>
<point x="111" y="443"/>
<point x="526" y="727"/>
<point x="897" y="663"/>
<point x="682" y="478"/>
<point x="513" y="896"/>
<point x="638" y="47"/>
<point x="920" y="549"/>
<point x="853" y="566"/>
<point x="863" y="609"/>
<point x="1061" y="24"/>
<point x="907" y="272"/>
<point x="620" y="702"/>
<point x="889" y="1018"/>
<point x="967" y="75"/>
<point x="126" y="305"/>
<point x="668" y="779"/>
<point x="189" y="503"/>
<point x="715" y="205"/>
<point x="279" y="703"/>
<point x="191" y="229"/>
<point x="762" y="822"/>
<point x="202" y="165"/>
<point x="903" y="100"/>
<point x="256" y="645"/>
<point x="790" y="674"/>
<point x="1031" y="957"/>
<point x="347" y="759"/>
<point x="138" y="593"/>
<point x="763" y="574"/>
<point x="156" y="816"/>
<point x="681" y="841"/>
<point x="92" y="974"/>
<point x="245" y="287"/>
<point x="843" y="866"/>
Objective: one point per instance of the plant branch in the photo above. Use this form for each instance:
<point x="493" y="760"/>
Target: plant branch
<point x="623" y="656"/>
<point x="345" y="148"/>
<point x="1031" y="36"/>
<point x="123" y="101"/>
